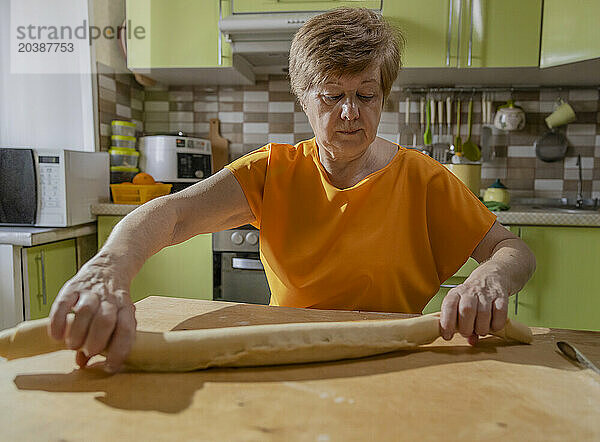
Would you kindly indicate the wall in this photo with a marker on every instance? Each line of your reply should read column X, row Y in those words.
column 252, row 116
column 45, row 110
column 119, row 96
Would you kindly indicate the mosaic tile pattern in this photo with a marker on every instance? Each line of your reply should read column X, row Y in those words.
column 120, row 97
column 547, row 218
column 252, row 116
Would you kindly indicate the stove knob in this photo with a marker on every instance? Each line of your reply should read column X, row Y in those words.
column 252, row 238
column 237, row 238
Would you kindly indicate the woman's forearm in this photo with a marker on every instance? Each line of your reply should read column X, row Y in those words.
column 513, row 261
column 139, row 235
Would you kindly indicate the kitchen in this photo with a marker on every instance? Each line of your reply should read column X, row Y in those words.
column 464, row 52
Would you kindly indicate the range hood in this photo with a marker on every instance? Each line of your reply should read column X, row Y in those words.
column 263, row 40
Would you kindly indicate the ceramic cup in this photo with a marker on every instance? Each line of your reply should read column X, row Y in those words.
column 564, row 114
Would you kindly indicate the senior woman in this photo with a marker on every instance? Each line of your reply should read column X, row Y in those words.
column 347, row 220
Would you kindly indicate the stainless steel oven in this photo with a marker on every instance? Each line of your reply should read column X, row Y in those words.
column 238, row 274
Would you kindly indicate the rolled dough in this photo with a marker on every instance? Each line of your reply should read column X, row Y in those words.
column 255, row 345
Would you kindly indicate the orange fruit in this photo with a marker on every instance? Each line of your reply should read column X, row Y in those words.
column 143, row 178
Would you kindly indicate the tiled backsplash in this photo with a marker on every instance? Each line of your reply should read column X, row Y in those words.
column 120, row 97
column 252, row 116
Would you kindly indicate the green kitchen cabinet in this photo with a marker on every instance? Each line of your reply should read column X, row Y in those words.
column 570, row 32
column 183, row 270
column 468, row 33
column 563, row 292
column 176, row 34
column 435, row 304
column 46, row 269
column 256, row 6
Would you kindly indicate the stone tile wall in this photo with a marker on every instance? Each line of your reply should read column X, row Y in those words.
column 120, row 97
column 252, row 116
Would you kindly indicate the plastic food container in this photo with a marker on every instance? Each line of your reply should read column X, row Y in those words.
column 128, row 193
column 124, row 128
column 123, row 157
column 122, row 141
column 120, row 174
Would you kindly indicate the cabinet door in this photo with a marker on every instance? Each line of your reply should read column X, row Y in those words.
column 563, row 292
column 48, row 268
column 500, row 33
column 495, row 33
column 105, row 225
column 425, row 26
column 435, row 304
column 183, row 270
column 244, row 6
column 175, row 34
column 571, row 32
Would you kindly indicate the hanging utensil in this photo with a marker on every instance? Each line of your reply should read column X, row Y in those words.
column 488, row 110
column 448, row 137
column 457, row 140
column 422, row 117
column 487, row 154
column 433, row 116
column 470, row 150
column 405, row 132
column 427, row 139
column 440, row 111
column 483, row 109
column 440, row 149
column 550, row 147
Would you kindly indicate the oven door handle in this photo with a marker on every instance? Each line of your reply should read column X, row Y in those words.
column 246, row 264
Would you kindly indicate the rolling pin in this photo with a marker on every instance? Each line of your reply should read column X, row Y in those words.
column 255, row 345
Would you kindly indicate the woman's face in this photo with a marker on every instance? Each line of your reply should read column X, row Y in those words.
column 344, row 113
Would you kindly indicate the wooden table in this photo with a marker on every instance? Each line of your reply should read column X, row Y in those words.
column 448, row 391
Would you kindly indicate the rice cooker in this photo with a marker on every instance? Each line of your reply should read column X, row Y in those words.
column 176, row 159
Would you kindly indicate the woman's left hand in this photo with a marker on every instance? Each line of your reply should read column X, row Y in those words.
column 475, row 307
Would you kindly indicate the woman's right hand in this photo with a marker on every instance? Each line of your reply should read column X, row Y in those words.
column 104, row 319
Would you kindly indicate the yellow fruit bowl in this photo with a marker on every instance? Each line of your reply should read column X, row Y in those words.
column 129, row 193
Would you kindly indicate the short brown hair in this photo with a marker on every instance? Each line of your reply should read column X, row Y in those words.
column 344, row 41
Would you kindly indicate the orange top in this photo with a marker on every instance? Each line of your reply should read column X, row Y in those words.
column 384, row 244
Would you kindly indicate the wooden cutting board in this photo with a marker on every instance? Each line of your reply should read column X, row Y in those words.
column 219, row 145
column 446, row 390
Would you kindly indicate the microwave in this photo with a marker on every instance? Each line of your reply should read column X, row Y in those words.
column 51, row 188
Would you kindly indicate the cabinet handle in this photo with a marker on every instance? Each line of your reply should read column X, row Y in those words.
column 449, row 37
column 517, row 294
column 459, row 32
column 220, row 40
column 40, row 258
column 470, row 56
column 246, row 264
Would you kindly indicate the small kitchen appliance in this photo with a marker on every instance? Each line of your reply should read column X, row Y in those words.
column 51, row 187
column 175, row 159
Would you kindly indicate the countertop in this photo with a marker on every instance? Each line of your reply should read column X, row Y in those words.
column 517, row 215
column 445, row 390
column 112, row 209
column 33, row 236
